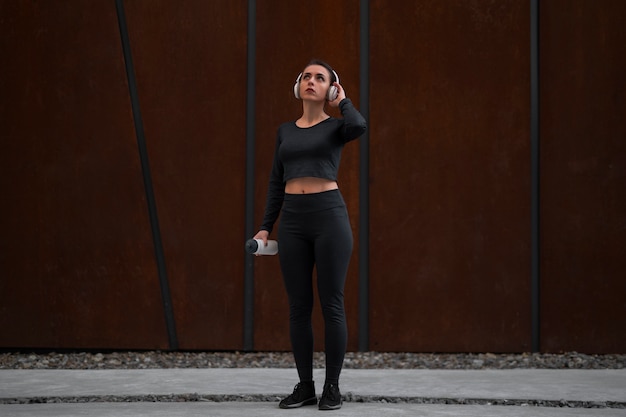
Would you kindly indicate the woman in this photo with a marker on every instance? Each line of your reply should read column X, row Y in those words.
column 314, row 227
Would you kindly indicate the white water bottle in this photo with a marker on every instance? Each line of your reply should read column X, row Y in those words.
column 256, row 247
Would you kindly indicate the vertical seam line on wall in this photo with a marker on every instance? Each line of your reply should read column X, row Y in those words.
column 147, row 179
column 535, row 181
column 364, row 98
column 248, row 286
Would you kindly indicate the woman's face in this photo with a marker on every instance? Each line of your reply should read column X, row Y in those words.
column 314, row 83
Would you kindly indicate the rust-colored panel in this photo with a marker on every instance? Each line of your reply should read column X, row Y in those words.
column 287, row 38
column 583, row 176
column 76, row 257
column 190, row 62
column 450, row 176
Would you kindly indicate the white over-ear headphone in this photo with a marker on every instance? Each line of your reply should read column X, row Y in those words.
column 332, row 91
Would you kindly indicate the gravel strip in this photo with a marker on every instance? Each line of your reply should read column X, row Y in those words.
column 353, row 360
column 347, row 397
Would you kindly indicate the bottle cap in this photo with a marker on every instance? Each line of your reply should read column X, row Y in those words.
column 252, row 246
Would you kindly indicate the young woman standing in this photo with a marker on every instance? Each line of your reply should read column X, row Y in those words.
column 314, row 228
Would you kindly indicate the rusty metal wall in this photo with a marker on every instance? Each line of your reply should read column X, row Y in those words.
column 583, row 176
column 450, row 191
column 190, row 62
column 449, row 172
column 76, row 255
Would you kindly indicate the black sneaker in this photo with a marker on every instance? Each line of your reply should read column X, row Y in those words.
column 331, row 397
column 303, row 394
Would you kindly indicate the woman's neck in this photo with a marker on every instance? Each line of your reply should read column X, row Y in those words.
column 312, row 113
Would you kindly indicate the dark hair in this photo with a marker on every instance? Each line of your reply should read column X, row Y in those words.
column 325, row 65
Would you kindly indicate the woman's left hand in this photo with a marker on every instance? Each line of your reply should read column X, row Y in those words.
column 341, row 94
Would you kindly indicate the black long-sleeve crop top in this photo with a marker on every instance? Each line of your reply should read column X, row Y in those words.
column 309, row 152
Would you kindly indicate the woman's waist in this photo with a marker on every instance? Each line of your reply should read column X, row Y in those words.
column 310, row 185
column 310, row 202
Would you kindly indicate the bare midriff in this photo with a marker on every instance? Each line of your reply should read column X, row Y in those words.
column 309, row 185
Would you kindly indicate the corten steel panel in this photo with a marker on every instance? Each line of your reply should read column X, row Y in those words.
column 287, row 39
column 583, row 176
column 76, row 255
column 450, row 176
column 190, row 61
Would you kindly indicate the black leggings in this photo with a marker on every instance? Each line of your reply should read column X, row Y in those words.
column 315, row 230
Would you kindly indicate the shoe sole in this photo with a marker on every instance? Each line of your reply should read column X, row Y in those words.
column 310, row 401
column 330, row 407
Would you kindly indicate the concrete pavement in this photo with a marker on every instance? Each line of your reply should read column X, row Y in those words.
column 255, row 392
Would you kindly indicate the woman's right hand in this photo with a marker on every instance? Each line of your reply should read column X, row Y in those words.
column 263, row 235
